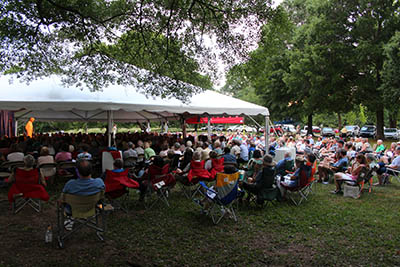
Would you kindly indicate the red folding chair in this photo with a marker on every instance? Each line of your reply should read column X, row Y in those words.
column 27, row 190
column 196, row 174
column 302, row 190
column 160, row 180
column 117, row 184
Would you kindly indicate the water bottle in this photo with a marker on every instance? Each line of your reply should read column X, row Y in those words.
column 48, row 237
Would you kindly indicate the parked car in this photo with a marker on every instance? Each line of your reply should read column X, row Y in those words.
column 327, row 131
column 352, row 130
column 289, row 128
column 315, row 129
column 219, row 128
column 232, row 128
column 368, row 131
column 241, row 128
column 274, row 129
column 391, row 133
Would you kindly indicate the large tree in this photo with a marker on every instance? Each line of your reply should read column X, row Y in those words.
column 42, row 37
column 391, row 78
column 375, row 22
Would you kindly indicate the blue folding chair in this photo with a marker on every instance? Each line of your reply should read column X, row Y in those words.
column 222, row 196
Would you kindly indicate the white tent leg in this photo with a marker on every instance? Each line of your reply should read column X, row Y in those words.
column 16, row 127
column 209, row 128
column 109, row 125
column 266, row 132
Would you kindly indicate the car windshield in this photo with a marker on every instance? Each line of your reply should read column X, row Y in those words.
column 390, row 130
column 349, row 128
column 368, row 128
column 326, row 129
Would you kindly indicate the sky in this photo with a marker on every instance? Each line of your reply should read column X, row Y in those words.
column 218, row 84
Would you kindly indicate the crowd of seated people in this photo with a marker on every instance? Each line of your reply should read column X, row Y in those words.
column 198, row 158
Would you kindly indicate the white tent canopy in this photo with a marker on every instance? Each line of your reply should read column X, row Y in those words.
column 49, row 99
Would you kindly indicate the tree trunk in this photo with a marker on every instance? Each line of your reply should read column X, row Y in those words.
column 309, row 124
column 393, row 118
column 379, row 122
column 339, row 121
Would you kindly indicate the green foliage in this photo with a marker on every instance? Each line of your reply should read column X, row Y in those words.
column 153, row 39
column 391, row 71
column 324, row 57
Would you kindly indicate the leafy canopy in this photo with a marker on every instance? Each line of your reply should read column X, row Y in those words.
column 165, row 37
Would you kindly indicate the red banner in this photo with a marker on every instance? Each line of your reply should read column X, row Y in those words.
column 215, row 120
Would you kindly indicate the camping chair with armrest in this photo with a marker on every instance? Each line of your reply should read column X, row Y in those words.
column 86, row 211
column 66, row 170
column 5, row 171
column 312, row 180
column 390, row 172
column 222, row 196
column 196, row 174
column 48, row 166
column 117, row 188
column 299, row 193
column 27, row 190
column 160, row 181
column 365, row 175
column 341, row 168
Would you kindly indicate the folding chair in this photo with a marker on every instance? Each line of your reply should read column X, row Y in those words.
column 299, row 193
column 196, row 174
column 160, row 180
column 117, row 184
column 392, row 172
column 5, row 170
column 312, row 180
column 66, row 170
column 45, row 167
column 86, row 211
column 222, row 196
column 27, row 190
column 364, row 175
column 130, row 162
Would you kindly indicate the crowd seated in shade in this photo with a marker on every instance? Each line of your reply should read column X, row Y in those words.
column 199, row 157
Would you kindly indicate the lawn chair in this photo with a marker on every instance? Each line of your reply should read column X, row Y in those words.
column 47, row 168
column 5, row 171
column 117, row 184
column 66, row 170
column 391, row 173
column 86, row 211
column 222, row 196
column 196, row 174
column 299, row 193
column 364, row 175
column 27, row 190
column 160, row 181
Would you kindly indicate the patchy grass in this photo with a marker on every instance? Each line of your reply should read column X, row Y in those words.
column 325, row 230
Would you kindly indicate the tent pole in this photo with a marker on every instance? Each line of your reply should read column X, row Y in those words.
column 209, row 128
column 183, row 127
column 16, row 127
column 266, row 132
column 109, row 126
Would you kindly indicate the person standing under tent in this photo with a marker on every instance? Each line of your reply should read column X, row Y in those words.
column 29, row 127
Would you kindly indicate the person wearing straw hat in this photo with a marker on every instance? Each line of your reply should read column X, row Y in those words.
column 264, row 179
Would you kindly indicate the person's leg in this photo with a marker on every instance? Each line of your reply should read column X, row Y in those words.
column 320, row 173
column 336, row 178
column 250, row 189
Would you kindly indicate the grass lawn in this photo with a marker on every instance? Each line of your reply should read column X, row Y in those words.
column 325, row 230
